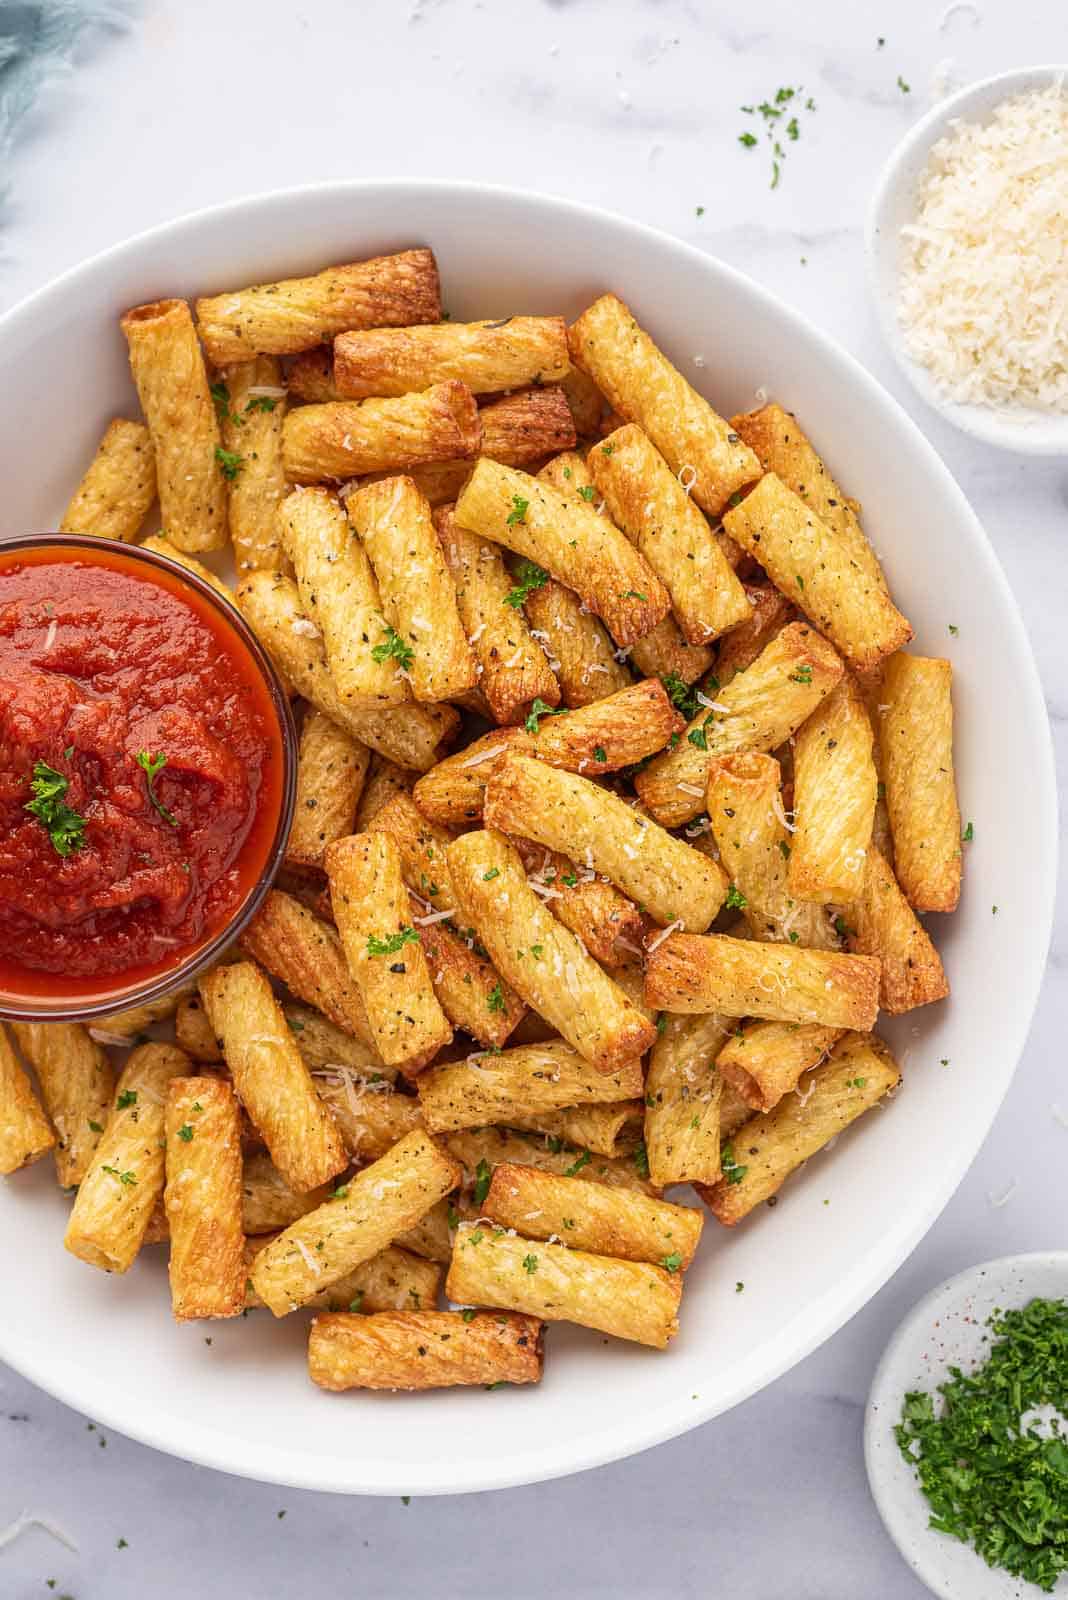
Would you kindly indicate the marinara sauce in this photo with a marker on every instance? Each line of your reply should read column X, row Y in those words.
column 127, row 862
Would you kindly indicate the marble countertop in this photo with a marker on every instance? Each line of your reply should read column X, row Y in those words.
column 632, row 105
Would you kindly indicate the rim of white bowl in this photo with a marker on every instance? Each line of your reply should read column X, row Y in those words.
column 1025, row 433
column 880, row 1459
column 633, row 1434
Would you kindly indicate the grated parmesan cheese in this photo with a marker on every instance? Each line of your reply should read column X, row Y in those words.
column 983, row 296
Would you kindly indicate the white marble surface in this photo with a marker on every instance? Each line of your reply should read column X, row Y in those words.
column 631, row 104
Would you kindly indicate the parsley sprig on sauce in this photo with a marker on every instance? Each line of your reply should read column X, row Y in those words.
column 152, row 766
column 64, row 827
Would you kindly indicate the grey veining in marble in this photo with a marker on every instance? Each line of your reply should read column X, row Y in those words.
column 630, row 104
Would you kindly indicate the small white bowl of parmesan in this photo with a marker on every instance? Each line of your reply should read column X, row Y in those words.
column 967, row 244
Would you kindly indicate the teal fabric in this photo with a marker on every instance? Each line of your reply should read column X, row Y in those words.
column 38, row 42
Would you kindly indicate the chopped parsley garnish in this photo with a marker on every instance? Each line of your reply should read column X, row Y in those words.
column 64, row 827
column 393, row 646
column 731, row 1169
column 698, row 736
column 127, row 1179
column 841, row 927
column 569, row 879
column 185, row 1132
column 906, row 88
column 530, row 1264
column 520, row 507
column 682, row 695
column 802, row 675
column 580, row 1161
column 391, row 943
column 736, row 900
column 993, row 1480
column 468, row 1315
column 151, row 766
column 540, row 709
column 661, row 1023
column 341, row 1192
column 786, row 104
column 495, row 998
column 587, row 491
column 488, row 877
column 261, row 402
column 96, row 1127
column 483, row 1174
column 599, row 753
column 528, row 577
column 635, row 594
column 128, row 1097
column 855, row 1083
column 673, row 1262
column 968, row 835
column 357, row 1300
column 954, row 630
column 220, row 395
column 230, row 462
column 641, row 1161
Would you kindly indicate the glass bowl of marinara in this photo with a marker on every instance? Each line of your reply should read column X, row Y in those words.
column 147, row 776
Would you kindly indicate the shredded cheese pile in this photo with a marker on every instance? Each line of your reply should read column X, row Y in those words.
column 983, row 297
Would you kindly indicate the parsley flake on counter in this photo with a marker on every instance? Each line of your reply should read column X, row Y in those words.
column 393, row 646
column 968, row 835
column 787, row 103
column 391, row 943
column 64, row 827
column 954, row 630
column 905, row 88
column 152, row 766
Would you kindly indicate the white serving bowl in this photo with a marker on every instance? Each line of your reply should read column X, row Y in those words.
column 244, row 1403
column 893, row 204
column 948, row 1328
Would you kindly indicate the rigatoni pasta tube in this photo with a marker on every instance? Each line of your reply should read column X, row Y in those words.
column 583, row 660
column 487, row 356
column 771, row 612
column 513, row 669
column 268, row 1201
column 604, row 919
column 251, row 401
column 541, row 959
column 916, row 735
column 599, row 738
column 765, row 1060
column 480, row 1149
column 331, row 769
column 203, row 1199
column 172, row 384
column 565, row 812
column 880, row 922
column 784, row 449
column 396, row 530
column 163, row 547
column 299, row 313
column 323, row 1044
column 746, row 814
column 764, row 1152
column 76, row 1082
column 368, row 1213
column 741, row 978
column 383, row 951
column 25, row 1132
column 599, row 1129
column 407, row 734
column 648, row 502
column 641, row 384
column 349, row 438
column 628, row 1299
column 835, row 787
column 305, row 953
column 270, row 1075
column 340, row 595
column 117, row 1196
column 803, row 558
column 527, row 1079
column 384, row 779
column 758, row 710
column 117, row 491
column 422, row 846
column 589, row 1216
column 370, row 1113
column 123, row 1025
column 393, row 1280
column 577, row 547
column 469, row 989
column 682, row 1099
column 413, row 1350
column 520, row 429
